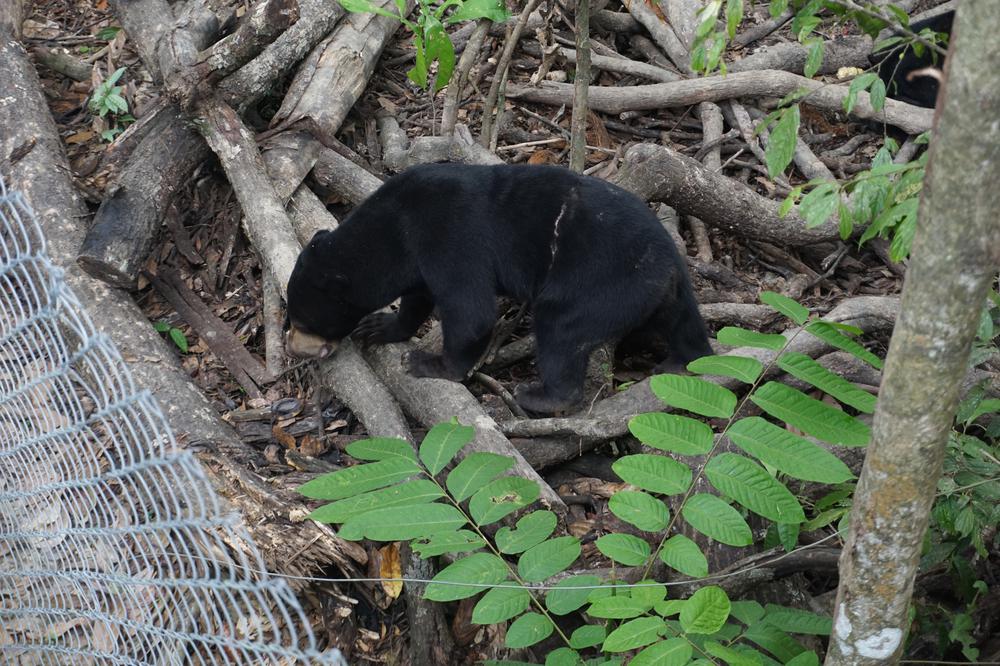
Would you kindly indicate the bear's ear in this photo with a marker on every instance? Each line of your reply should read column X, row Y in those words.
column 318, row 234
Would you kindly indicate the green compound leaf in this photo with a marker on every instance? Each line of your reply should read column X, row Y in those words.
column 442, row 442
column 749, row 484
column 812, row 416
column 381, row 448
column 470, row 10
column 411, row 494
column 745, row 369
column 859, row 84
column 176, row 334
column 527, row 630
column 617, row 608
column 365, row 7
column 400, row 523
column 673, row 652
column 788, row 453
column 548, row 558
column 814, row 58
column 358, row 479
column 563, row 599
column 694, row 395
column 733, row 657
column 741, row 337
column 774, row 640
column 634, row 634
column 474, row 472
column 564, row 656
column 786, row 306
column 476, row 570
column 532, row 529
column 808, row 370
column 587, row 636
column 440, row 49
column 649, row 593
column 657, row 474
column 502, row 497
column 804, row 659
column 684, row 555
column 781, row 147
column 673, row 433
column 705, row 611
column 798, row 621
column 462, row 541
column 714, row 518
column 819, row 204
column 500, row 604
column 637, row 508
column 624, row 548
column 747, row 612
column 828, row 333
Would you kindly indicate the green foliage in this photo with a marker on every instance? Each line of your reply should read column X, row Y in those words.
column 967, row 508
column 176, row 335
column 441, row 505
column 430, row 40
column 107, row 98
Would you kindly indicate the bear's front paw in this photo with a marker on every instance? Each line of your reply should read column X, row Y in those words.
column 377, row 328
column 423, row 364
column 534, row 398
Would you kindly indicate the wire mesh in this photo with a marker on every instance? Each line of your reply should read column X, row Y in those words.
column 114, row 549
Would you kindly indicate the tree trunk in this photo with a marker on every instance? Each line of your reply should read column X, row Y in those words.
column 955, row 255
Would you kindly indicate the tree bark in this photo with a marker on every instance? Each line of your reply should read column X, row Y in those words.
column 581, row 84
column 125, row 225
column 764, row 83
column 955, row 255
column 657, row 173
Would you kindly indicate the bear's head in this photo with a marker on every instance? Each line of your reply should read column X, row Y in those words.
column 321, row 311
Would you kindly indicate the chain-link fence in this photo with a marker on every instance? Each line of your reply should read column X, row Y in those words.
column 113, row 547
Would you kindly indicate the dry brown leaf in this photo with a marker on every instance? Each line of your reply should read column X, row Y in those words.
column 390, row 567
column 82, row 136
column 311, row 446
column 542, row 157
column 283, row 437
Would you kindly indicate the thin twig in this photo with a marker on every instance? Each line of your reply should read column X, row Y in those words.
column 581, row 85
column 449, row 114
column 490, row 107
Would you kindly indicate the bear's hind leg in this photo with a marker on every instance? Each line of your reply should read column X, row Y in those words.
column 562, row 364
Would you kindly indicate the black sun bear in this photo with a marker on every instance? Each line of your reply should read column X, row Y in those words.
column 590, row 258
column 904, row 71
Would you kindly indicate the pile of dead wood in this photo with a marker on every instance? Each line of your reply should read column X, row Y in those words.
column 326, row 58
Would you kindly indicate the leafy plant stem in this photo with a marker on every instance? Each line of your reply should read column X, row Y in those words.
column 513, row 572
column 708, row 456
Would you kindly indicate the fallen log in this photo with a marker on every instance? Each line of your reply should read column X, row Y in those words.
column 657, row 173
column 764, row 83
column 125, row 225
column 334, row 76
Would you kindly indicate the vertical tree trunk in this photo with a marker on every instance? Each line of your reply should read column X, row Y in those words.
column 955, row 255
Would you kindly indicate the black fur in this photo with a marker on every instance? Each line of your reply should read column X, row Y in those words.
column 591, row 259
column 896, row 64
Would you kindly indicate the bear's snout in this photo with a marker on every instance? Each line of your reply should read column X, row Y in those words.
column 302, row 344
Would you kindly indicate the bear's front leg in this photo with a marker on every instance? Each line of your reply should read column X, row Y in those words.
column 380, row 328
column 467, row 322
